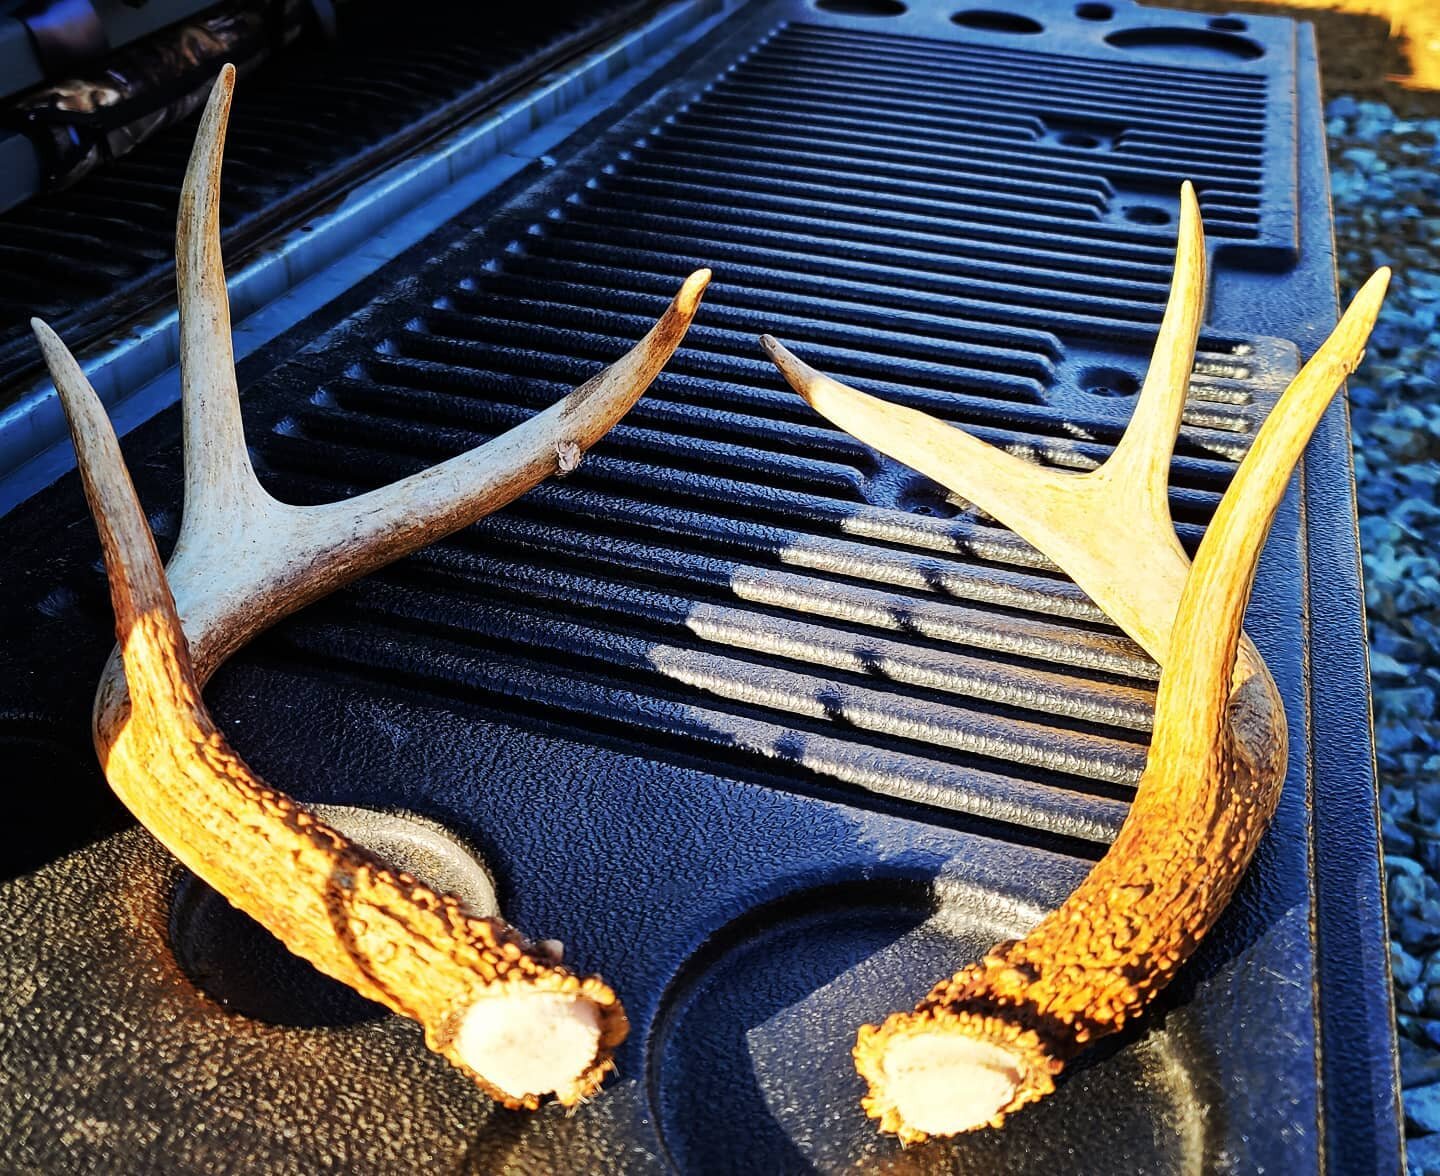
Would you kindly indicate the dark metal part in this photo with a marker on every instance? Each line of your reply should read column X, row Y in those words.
column 768, row 730
column 67, row 34
column 311, row 125
column 91, row 118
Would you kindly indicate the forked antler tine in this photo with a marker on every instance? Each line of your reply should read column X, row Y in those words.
column 990, row 1039
column 1055, row 511
column 495, row 1005
column 294, row 555
column 1191, row 706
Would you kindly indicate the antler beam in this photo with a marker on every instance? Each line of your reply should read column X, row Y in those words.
column 992, row 1038
column 499, row 1007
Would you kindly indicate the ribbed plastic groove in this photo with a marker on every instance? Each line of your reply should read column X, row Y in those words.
column 728, row 577
column 1065, row 134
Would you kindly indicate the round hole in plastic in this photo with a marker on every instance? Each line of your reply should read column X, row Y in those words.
column 924, row 497
column 757, row 1029
column 1094, row 11
column 995, row 20
column 240, row 965
column 1197, row 44
column 1147, row 214
column 244, row 969
column 1077, row 139
column 1228, row 24
column 861, row 7
column 1108, row 381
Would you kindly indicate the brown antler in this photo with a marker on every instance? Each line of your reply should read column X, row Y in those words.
column 499, row 1007
column 991, row 1039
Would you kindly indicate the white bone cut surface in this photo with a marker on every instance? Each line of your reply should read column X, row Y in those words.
column 243, row 560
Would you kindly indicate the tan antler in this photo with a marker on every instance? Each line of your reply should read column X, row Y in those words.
column 496, row 1005
column 991, row 1039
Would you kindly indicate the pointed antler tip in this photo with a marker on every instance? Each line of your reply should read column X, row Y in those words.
column 50, row 343
column 798, row 374
column 226, row 76
column 687, row 302
column 781, row 356
column 1365, row 307
column 51, row 346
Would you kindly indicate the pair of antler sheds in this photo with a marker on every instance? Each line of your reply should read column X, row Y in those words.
column 502, row 1008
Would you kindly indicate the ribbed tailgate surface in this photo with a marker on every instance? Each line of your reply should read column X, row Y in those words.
column 728, row 566
column 768, row 728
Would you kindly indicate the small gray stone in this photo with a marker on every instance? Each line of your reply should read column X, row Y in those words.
column 1405, row 968
column 1423, row 1156
column 1427, row 801
column 1422, row 1108
column 1418, row 1066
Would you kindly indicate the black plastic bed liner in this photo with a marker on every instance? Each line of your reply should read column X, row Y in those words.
column 707, row 705
column 314, row 122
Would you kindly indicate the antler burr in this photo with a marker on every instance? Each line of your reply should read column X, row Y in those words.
column 497, row 1006
column 992, row 1038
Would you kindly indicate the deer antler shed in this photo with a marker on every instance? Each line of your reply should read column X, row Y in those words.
column 984, row 1042
column 992, row 1038
column 499, row 1007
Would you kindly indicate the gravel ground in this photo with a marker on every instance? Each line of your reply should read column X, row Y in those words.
column 1386, row 187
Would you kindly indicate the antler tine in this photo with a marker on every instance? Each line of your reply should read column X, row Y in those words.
column 137, row 582
column 1052, row 510
column 1139, row 467
column 295, row 555
column 1191, row 706
column 220, row 483
column 495, row 1005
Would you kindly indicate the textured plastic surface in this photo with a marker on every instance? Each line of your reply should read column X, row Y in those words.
column 766, row 729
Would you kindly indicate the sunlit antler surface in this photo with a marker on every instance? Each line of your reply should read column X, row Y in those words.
column 498, row 1006
column 992, row 1038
